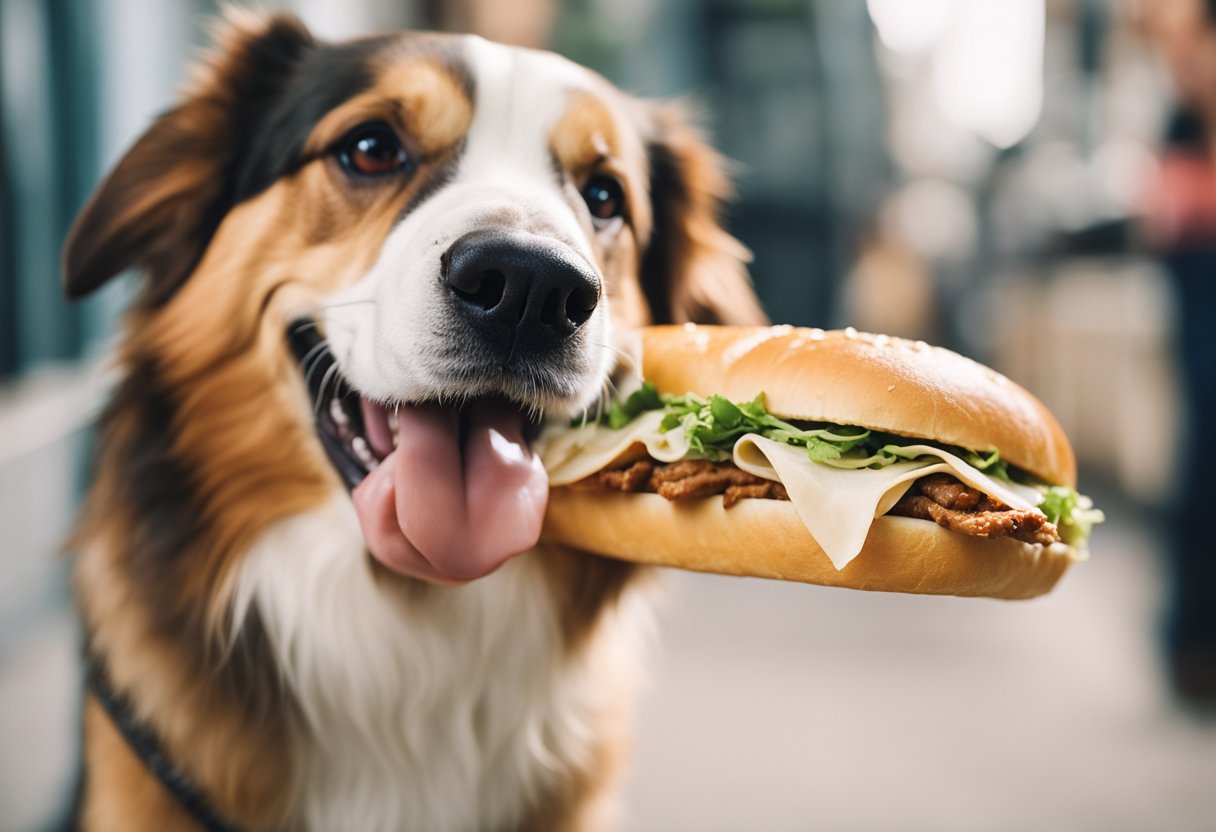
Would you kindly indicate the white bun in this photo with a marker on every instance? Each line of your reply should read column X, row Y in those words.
column 874, row 381
column 766, row 539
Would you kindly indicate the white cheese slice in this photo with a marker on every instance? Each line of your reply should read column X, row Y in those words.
column 570, row 454
column 1022, row 498
column 837, row 505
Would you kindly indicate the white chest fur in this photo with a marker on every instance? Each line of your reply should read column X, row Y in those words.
column 436, row 710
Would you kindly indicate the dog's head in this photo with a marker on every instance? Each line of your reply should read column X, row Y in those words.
column 431, row 222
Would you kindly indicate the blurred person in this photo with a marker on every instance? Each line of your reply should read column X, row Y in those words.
column 890, row 289
column 1182, row 223
column 517, row 24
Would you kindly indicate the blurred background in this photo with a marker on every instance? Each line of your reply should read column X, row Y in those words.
column 1026, row 181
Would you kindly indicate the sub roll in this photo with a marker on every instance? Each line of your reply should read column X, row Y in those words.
column 828, row 457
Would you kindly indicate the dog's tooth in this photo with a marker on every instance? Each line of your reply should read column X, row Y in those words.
column 392, row 425
column 338, row 413
column 359, row 445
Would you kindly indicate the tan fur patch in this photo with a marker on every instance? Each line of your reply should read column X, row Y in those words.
column 418, row 96
column 437, row 108
column 244, row 771
column 120, row 793
column 593, row 137
column 585, row 136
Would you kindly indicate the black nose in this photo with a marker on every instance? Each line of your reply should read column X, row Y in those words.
column 522, row 292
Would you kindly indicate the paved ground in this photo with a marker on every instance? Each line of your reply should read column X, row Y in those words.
column 785, row 707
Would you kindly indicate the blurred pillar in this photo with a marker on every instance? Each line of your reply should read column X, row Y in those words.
column 8, row 260
column 48, row 136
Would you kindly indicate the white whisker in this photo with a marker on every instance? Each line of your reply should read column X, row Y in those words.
column 328, row 306
column 330, row 320
column 315, row 351
column 316, row 362
column 330, row 375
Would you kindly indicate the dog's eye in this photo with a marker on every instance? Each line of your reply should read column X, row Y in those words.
column 604, row 197
column 372, row 150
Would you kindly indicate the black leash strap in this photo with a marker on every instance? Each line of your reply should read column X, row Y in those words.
column 147, row 747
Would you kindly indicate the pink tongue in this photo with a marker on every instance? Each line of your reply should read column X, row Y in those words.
column 436, row 513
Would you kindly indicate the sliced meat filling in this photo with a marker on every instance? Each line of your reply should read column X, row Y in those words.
column 958, row 507
column 684, row 479
column 940, row 498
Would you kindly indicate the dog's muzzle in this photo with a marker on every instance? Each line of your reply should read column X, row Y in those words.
column 523, row 295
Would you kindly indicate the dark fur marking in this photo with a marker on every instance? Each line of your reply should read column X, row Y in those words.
column 246, row 133
column 323, row 80
column 166, row 528
column 223, row 144
column 291, row 85
column 165, row 521
column 669, row 194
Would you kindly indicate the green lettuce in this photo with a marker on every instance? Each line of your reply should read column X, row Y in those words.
column 621, row 413
column 712, row 427
column 1074, row 514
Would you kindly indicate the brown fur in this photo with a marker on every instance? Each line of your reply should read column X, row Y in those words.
column 162, row 223
column 123, row 794
column 209, row 439
column 695, row 270
column 587, row 803
column 596, row 137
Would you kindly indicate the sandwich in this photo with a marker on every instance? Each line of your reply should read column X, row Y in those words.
column 829, row 457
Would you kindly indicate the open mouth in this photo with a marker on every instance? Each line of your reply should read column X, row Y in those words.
column 445, row 493
column 354, row 443
column 358, row 433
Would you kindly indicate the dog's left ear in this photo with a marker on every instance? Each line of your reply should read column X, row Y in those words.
column 692, row 269
column 159, row 207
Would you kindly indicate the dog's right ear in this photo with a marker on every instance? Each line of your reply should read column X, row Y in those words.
column 159, row 207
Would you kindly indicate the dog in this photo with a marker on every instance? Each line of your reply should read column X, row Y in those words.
column 289, row 627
